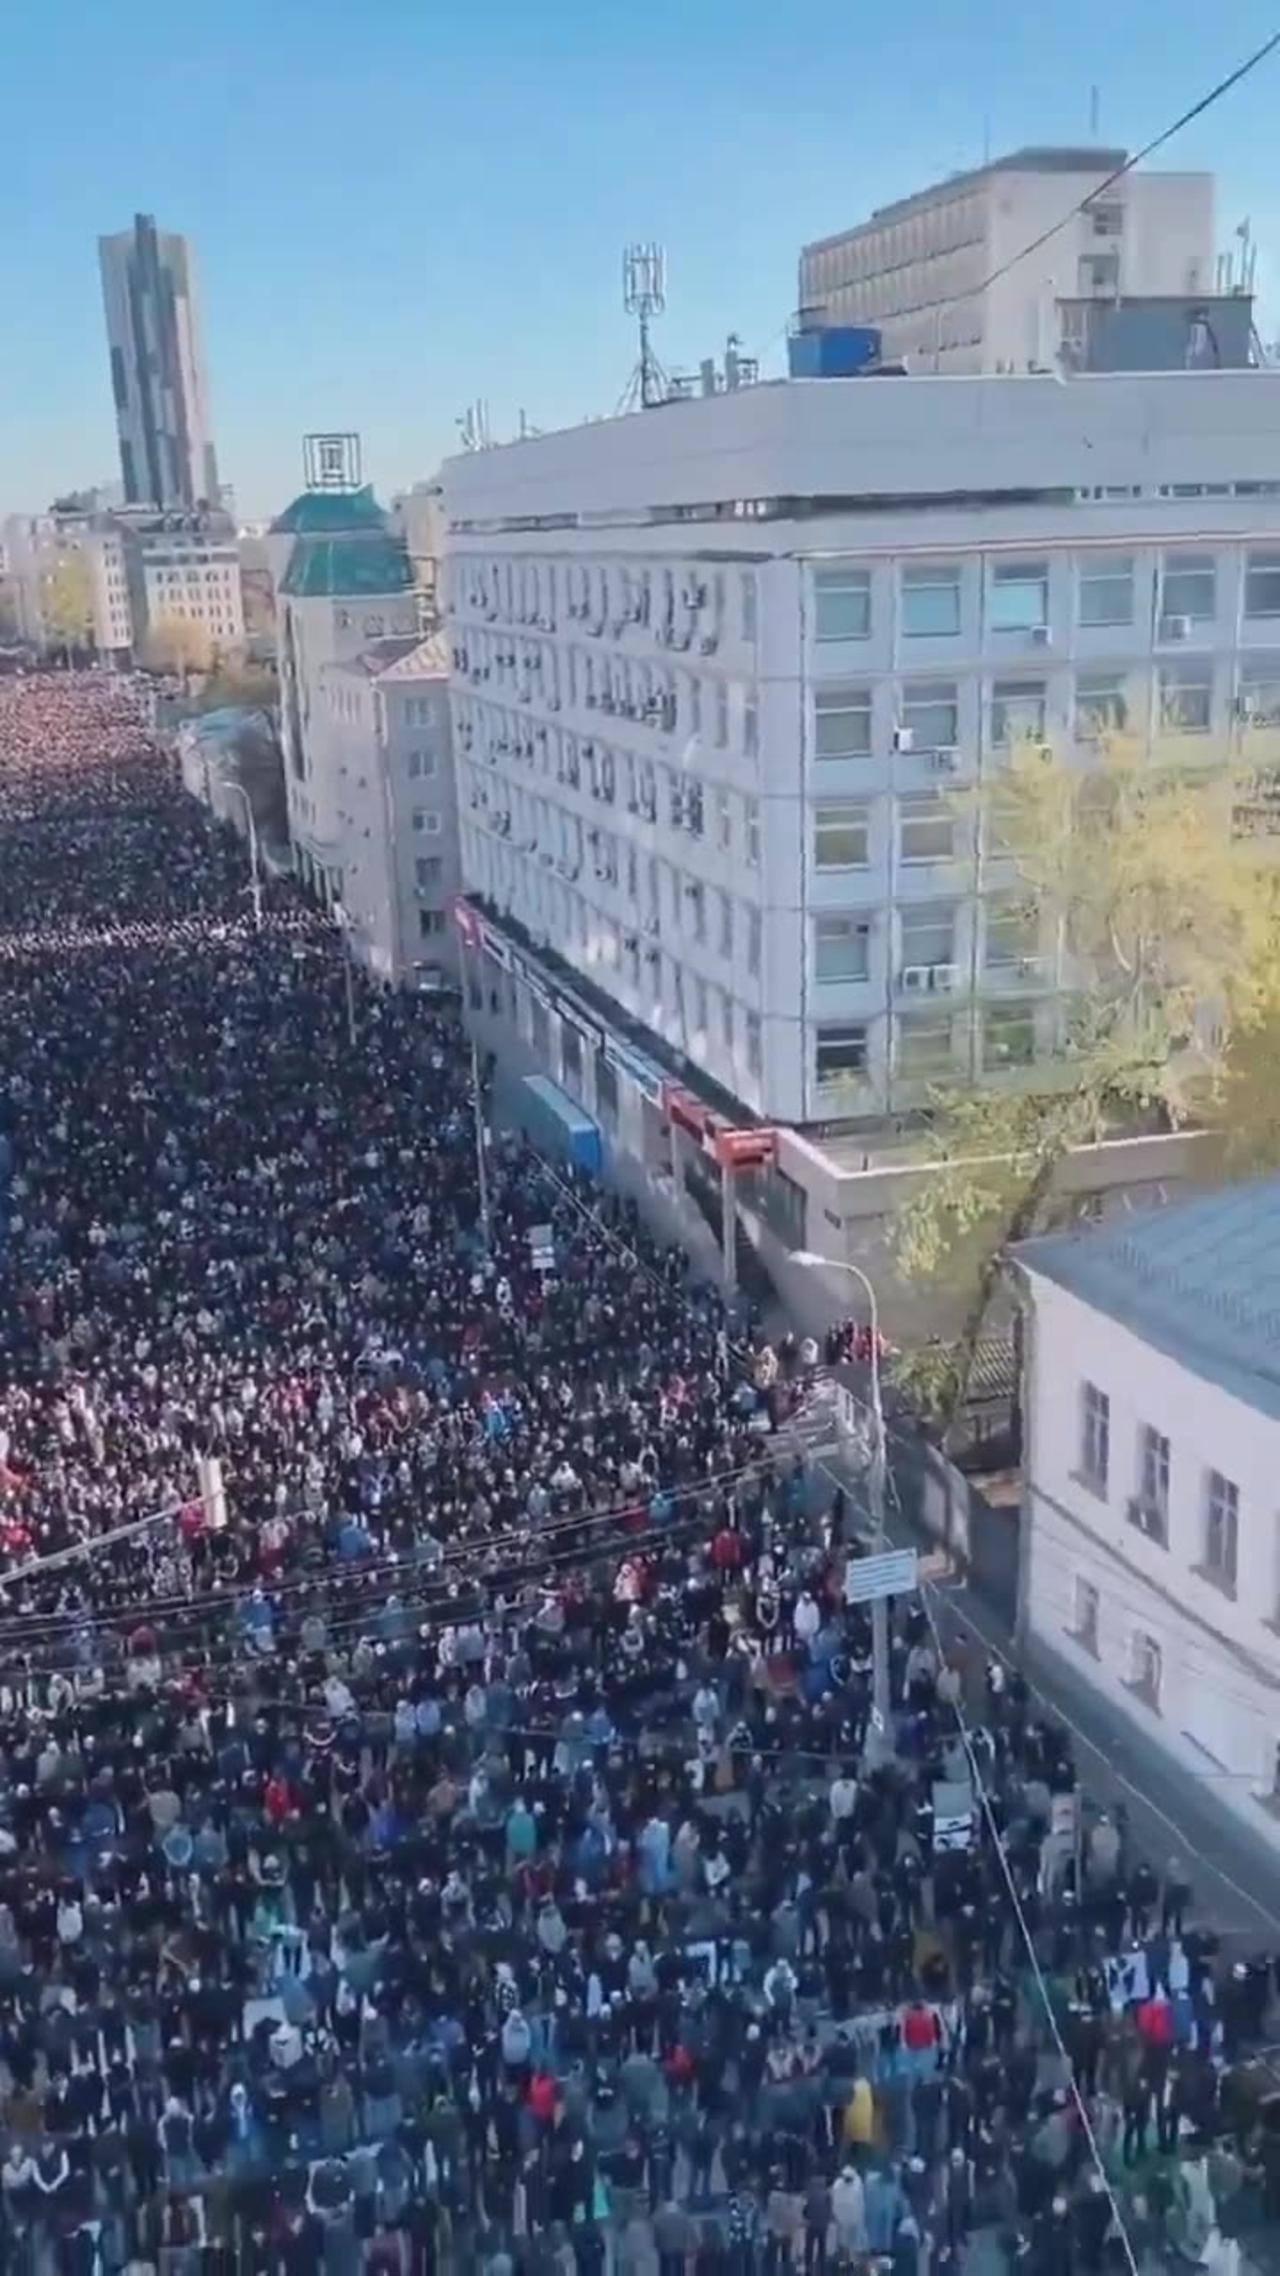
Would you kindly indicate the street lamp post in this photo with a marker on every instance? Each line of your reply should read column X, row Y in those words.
column 482, row 1167
column 229, row 782
column 880, row 1687
column 345, row 930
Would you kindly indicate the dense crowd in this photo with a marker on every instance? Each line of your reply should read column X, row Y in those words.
column 440, row 1824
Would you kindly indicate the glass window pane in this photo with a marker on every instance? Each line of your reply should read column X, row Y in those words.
column 931, row 600
column 1262, row 585
column 1106, row 589
column 840, row 837
column 924, row 1046
column 926, row 829
column 842, row 604
column 1018, row 599
column 928, row 934
column 1186, row 697
column 1188, row 588
column 930, row 708
column 840, row 1051
column 1010, row 934
column 1102, row 706
column 840, row 948
column 842, row 723
column 1009, row 1035
column 1017, row 711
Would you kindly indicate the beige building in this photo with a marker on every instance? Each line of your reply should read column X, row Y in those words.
column 938, row 272
column 69, row 582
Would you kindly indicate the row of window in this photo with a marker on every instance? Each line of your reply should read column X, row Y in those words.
column 927, row 933
column 928, row 829
column 1104, row 700
column 928, row 600
column 618, row 687
column 661, row 894
column 1147, row 1505
column 607, row 596
column 658, row 795
column 922, row 1045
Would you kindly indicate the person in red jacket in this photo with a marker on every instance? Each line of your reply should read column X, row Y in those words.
column 1155, row 2024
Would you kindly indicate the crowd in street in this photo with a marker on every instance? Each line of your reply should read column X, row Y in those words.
column 442, row 1825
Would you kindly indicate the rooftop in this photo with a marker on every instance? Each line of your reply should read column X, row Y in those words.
column 1035, row 158
column 408, row 656
column 320, row 513
column 363, row 563
column 1199, row 1280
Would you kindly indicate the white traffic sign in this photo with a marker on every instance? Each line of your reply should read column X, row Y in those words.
column 892, row 1573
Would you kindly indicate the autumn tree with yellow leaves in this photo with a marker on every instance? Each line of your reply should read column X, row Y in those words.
column 1148, row 883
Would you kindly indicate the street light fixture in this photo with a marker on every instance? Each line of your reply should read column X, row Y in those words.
column 229, row 782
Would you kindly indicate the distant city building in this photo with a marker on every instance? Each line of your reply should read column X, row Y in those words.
column 936, row 272
column 69, row 582
column 418, row 516
column 1150, row 1552
column 183, row 573
column 389, row 751
column 343, row 582
column 158, row 382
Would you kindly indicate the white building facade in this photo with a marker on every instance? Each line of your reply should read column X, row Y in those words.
column 40, row 548
column 1151, row 1521
column 184, row 579
column 719, row 673
column 939, row 272
column 387, row 746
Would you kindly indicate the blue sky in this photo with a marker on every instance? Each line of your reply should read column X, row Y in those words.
column 401, row 207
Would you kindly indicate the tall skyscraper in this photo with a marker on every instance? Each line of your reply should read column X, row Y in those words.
column 158, row 381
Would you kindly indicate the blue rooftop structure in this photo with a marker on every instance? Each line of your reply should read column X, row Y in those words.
column 1199, row 1280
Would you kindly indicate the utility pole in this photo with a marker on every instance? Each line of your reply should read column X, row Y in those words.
column 482, row 1167
column 255, row 865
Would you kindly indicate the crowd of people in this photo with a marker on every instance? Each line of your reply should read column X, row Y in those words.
column 442, row 1825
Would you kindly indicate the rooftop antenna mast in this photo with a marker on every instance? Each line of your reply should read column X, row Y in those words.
column 644, row 296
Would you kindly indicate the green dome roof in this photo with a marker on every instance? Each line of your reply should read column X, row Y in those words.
column 330, row 513
column 365, row 562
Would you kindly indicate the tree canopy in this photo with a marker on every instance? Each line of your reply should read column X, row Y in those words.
column 1146, row 888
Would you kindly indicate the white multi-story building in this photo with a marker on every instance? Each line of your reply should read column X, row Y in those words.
column 720, row 672
column 1151, row 1542
column 343, row 584
column 387, row 749
column 62, row 567
column 183, row 573
column 939, row 272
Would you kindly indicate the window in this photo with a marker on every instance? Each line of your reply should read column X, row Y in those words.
column 722, row 714
column 430, row 921
column 748, row 593
column 1017, row 711
column 724, row 821
column 842, row 604
column 1188, row 589
column 1095, row 1437
column 754, row 930
column 842, row 723
column 1259, row 700
column 930, row 708
column 695, row 901
column 1088, row 1605
column 695, row 704
column 1106, row 589
column 1102, row 706
column 426, row 823
column 841, row 1052
column 421, row 763
column 1009, row 1036
column 726, row 1018
column 1146, row 1667
column 840, row 948
column 750, row 724
column 701, row 999
column 428, row 869
column 1186, row 696
column 1010, row 935
column 931, row 600
column 1150, row 1509
column 1262, row 584
column 726, row 924
column 751, row 831
column 924, row 1046
column 840, row 837
column 928, row 934
column 1107, row 220
column 1221, row 1530
column 926, row 829
column 755, row 1044
column 1099, row 272
column 1018, row 598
